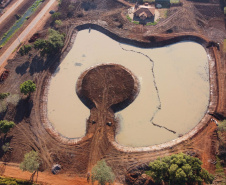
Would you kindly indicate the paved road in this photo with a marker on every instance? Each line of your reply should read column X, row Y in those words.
column 10, row 10
column 23, row 35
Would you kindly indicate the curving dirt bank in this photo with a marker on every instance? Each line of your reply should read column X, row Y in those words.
column 162, row 41
column 74, row 155
column 108, row 148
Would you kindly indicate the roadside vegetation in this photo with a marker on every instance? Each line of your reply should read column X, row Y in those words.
column 52, row 45
column 17, row 25
column 102, row 173
column 179, row 169
column 13, row 181
column 24, row 50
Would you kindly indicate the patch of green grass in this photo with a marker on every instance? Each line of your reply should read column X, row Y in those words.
column 174, row 1
column 220, row 170
column 219, row 167
column 166, row 14
column 136, row 22
column 151, row 23
column 129, row 18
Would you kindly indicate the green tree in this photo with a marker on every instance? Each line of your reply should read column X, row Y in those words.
column 40, row 44
column 58, row 22
column 55, row 41
column 56, row 15
column 52, row 45
column 5, row 126
column 30, row 163
column 27, row 87
column 25, row 50
column 179, row 169
column 102, row 173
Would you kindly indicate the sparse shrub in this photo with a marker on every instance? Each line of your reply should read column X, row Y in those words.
column 102, row 173
column 6, row 98
column 222, row 126
column 6, row 147
column 3, row 106
column 5, row 126
column 174, row 1
column 4, row 95
column 129, row 18
column 151, row 23
column 56, row 15
column 58, row 22
column 13, row 99
column 71, row 7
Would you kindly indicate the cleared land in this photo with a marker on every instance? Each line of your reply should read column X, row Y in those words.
column 30, row 134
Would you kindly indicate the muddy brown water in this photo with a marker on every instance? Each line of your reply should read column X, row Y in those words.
column 173, row 97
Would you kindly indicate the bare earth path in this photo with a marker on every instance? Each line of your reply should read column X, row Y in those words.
column 10, row 10
column 12, row 170
column 24, row 34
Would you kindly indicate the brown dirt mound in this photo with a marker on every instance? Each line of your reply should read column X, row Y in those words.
column 107, row 86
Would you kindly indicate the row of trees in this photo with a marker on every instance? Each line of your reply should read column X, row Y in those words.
column 179, row 169
column 53, row 44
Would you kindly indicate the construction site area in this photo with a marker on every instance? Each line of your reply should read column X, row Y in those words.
column 75, row 116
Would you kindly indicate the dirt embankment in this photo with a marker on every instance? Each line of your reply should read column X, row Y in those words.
column 30, row 134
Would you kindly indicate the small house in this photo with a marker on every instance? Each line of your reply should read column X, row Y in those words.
column 144, row 12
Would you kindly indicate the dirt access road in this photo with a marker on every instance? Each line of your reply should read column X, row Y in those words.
column 12, row 170
column 24, row 34
column 10, row 10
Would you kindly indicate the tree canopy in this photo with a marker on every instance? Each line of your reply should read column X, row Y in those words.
column 52, row 45
column 5, row 126
column 179, row 169
column 27, row 87
column 31, row 162
column 25, row 50
column 102, row 173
